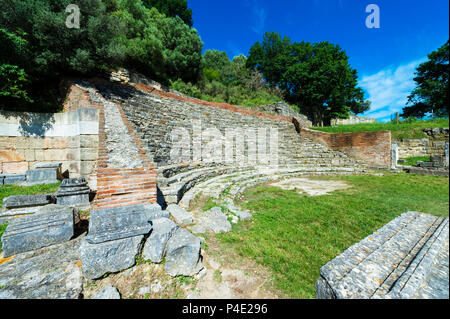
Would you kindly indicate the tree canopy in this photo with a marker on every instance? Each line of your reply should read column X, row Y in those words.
column 316, row 77
column 431, row 92
column 38, row 48
column 172, row 8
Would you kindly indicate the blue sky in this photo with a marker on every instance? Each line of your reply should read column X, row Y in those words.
column 385, row 58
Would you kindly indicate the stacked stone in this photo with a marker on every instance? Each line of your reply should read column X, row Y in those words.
column 118, row 236
column 51, row 225
column 407, row 258
column 155, row 118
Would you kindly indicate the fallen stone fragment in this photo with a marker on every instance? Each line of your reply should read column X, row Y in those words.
column 115, row 239
column 117, row 223
column 109, row 292
column 44, row 174
column 180, row 215
column 155, row 245
column 51, row 225
column 109, row 257
column 48, row 273
column 155, row 211
column 23, row 201
column 215, row 220
column 13, row 179
column 183, row 254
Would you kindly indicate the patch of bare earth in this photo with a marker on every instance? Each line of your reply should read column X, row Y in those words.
column 230, row 276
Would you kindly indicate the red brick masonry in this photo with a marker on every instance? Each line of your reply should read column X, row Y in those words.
column 123, row 187
column 372, row 148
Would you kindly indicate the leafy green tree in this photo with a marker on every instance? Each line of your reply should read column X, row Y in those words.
column 431, row 92
column 172, row 8
column 316, row 77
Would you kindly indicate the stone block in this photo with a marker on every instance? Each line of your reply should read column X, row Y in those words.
column 44, row 174
column 51, row 155
column 183, row 254
column 86, row 167
column 13, row 179
column 88, row 141
column 108, row 293
column 51, row 225
column 110, row 256
column 15, row 167
column 154, row 248
column 88, row 154
column 39, row 155
column 22, row 201
column 111, row 224
column 407, row 258
column 180, row 215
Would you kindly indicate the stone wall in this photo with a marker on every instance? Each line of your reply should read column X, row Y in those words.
column 353, row 119
column 69, row 138
column 372, row 148
column 420, row 147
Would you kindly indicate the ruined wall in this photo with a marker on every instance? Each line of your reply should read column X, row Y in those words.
column 29, row 138
column 372, row 148
column 353, row 119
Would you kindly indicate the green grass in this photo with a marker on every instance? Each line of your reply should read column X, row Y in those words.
column 294, row 235
column 412, row 161
column 399, row 131
column 10, row 190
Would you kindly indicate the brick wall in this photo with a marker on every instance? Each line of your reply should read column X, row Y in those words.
column 372, row 148
column 118, row 187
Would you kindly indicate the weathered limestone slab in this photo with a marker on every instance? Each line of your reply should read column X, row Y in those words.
column 404, row 259
column 115, row 239
column 155, row 211
column 154, row 248
column 44, row 174
column 13, row 179
column 51, row 225
column 109, row 257
column 118, row 223
column 22, row 201
column 214, row 220
column 73, row 192
column 108, row 293
column 180, row 215
column 49, row 273
column 183, row 254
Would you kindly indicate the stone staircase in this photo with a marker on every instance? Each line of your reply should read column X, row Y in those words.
column 125, row 174
column 154, row 117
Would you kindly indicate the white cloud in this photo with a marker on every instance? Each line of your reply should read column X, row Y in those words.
column 389, row 89
column 259, row 16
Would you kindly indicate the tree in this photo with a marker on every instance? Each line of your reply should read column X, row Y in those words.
column 431, row 92
column 316, row 77
column 172, row 8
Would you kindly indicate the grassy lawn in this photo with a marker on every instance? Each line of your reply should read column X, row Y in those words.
column 412, row 161
column 294, row 235
column 399, row 131
column 10, row 190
